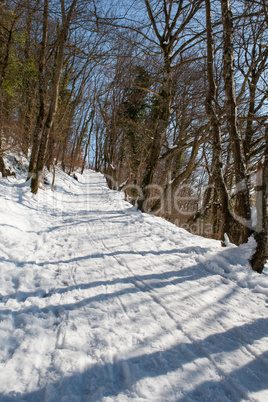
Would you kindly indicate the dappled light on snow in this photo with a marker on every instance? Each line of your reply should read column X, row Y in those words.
column 100, row 302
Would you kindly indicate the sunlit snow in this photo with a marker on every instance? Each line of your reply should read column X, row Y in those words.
column 100, row 302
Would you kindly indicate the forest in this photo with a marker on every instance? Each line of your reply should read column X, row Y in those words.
column 167, row 98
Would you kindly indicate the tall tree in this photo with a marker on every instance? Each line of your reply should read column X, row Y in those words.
column 7, row 27
column 260, row 255
column 217, row 173
column 62, row 39
column 41, row 91
column 242, row 208
column 175, row 17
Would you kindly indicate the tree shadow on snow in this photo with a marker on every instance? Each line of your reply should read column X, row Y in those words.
column 122, row 375
column 140, row 253
column 139, row 283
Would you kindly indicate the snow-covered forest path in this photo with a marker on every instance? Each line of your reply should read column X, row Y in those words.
column 102, row 303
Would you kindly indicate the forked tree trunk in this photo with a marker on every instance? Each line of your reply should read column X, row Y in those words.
column 162, row 111
column 37, row 177
column 217, row 173
column 242, row 208
column 174, row 22
column 168, row 197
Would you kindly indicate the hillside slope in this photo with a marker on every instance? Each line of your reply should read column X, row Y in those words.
column 100, row 302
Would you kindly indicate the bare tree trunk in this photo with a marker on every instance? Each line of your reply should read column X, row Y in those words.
column 2, row 163
column 41, row 79
column 26, row 141
column 3, row 169
column 78, row 143
column 251, row 111
column 98, row 153
column 242, row 208
column 54, row 177
column 173, row 26
column 63, row 153
column 261, row 254
column 226, row 217
column 54, row 97
column 168, row 195
column 88, row 140
column 75, row 141
column 163, row 112
column 213, row 216
column 109, row 155
column 265, row 10
column 50, row 151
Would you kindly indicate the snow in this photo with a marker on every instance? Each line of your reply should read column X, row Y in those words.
column 100, row 302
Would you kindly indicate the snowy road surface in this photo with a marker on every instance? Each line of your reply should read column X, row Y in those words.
column 102, row 303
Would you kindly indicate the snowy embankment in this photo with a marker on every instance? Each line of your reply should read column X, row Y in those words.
column 102, row 303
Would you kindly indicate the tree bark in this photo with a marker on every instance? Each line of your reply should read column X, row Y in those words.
column 2, row 163
column 260, row 256
column 41, row 80
column 162, row 112
column 217, row 173
column 29, row 89
column 37, row 177
column 91, row 118
column 3, row 169
column 257, row 68
column 167, row 198
column 242, row 208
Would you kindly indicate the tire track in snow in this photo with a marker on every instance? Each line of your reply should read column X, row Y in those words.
column 112, row 293
column 229, row 383
column 126, row 370
column 244, row 344
column 145, row 288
